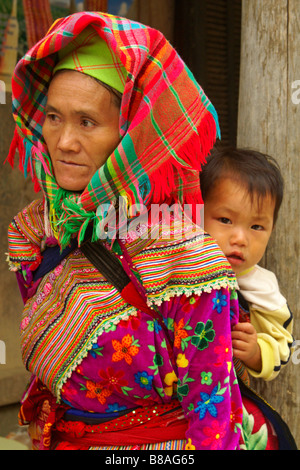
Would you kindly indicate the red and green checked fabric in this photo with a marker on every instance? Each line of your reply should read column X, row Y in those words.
column 167, row 124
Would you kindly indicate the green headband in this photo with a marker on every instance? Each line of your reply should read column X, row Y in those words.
column 90, row 54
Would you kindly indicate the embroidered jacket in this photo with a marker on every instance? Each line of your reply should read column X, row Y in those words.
column 97, row 353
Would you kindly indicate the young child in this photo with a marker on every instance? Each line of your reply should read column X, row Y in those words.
column 242, row 192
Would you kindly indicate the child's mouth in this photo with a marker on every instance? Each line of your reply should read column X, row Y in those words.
column 235, row 258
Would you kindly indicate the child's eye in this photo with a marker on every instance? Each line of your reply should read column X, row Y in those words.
column 257, row 227
column 224, row 220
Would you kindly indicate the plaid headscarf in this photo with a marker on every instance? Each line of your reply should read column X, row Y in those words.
column 90, row 54
column 167, row 125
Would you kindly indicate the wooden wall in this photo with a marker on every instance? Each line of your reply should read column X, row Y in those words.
column 15, row 193
column 156, row 13
column 269, row 119
column 207, row 36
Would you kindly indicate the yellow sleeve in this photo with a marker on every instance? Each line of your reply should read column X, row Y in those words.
column 271, row 317
column 274, row 331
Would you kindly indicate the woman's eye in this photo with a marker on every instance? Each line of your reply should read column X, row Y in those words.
column 87, row 123
column 52, row 117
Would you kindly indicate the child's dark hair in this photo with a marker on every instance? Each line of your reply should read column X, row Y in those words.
column 259, row 173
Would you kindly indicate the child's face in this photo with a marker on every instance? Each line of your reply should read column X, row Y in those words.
column 241, row 226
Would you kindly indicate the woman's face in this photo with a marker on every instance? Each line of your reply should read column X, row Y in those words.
column 81, row 128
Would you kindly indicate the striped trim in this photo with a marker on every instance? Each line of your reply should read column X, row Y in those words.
column 179, row 444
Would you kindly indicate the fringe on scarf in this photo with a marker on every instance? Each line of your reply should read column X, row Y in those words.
column 171, row 178
column 27, row 152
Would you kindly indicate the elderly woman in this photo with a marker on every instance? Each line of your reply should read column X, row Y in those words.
column 129, row 347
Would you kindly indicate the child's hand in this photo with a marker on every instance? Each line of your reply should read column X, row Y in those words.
column 245, row 345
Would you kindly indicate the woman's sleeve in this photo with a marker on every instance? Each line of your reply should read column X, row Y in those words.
column 25, row 235
column 207, row 386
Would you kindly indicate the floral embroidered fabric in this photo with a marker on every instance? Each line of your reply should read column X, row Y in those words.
column 130, row 366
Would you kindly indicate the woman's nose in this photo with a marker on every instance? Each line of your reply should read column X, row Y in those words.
column 68, row 140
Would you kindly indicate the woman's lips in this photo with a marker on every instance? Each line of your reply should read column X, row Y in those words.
column 63, row 162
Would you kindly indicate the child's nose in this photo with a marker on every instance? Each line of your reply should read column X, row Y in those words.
column 239, row 237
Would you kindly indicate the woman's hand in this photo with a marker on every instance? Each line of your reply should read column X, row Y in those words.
column 245, row 345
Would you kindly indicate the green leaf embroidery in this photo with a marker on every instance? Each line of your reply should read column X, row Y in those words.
column 185, row 343
column 125, row 390
column 135, row 342
column 182, row 387
column 160, row 391
column 256, row 441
